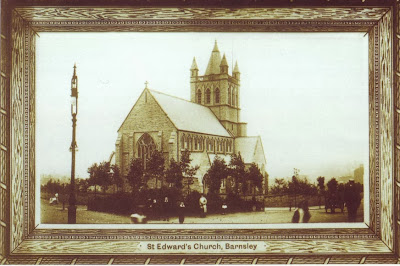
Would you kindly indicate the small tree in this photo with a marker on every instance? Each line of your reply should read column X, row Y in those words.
column 155, row 166
column 173, row 175
column 93, row 177
column 255, row 176
column 104, row 175
column 135, row 175
column 321, row 189
column 216, row 173
column 280, row 186
column 188, row 171
column 116, row 178
column 332, row 186
column 237, row 172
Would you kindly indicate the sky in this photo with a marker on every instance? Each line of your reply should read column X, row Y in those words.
column 305, row 94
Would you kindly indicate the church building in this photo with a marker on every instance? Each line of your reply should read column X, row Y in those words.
column 208, row 125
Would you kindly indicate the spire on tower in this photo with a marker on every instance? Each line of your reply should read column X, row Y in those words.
column 236, row 72
column 194, row 65
column 214, row 62
column 236, row 69
column 215, row 47
column 223, row 61
column 74, row 70
column 224, row 65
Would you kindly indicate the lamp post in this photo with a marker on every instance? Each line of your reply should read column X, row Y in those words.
column 74, row 112
column 295, row 179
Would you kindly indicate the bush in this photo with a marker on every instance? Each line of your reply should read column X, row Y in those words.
column 234, row 202
column 192, row 203
column 214, row 203
column 119, row 203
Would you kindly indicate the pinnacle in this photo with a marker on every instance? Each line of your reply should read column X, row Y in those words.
column 194, row 65
column 223, row 61
column 215, row 47
column 236, row 69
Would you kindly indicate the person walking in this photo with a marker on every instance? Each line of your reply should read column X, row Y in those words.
column 301, row 213
column 166, row 208
column 181, row 212
column 306, row 212
column 203, row 206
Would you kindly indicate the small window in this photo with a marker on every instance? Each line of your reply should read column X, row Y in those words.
column 208, row 96
column 217, row 96
column 233, row 97
column 229, row 96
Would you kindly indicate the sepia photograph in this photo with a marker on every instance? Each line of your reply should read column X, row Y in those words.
column 246, row 132
column 202, row 128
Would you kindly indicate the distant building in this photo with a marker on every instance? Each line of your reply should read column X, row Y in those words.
column 208, row 125
column 359, row 174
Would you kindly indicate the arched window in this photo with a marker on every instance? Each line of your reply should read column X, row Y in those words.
column 229, row 96
column 183, row 142
column 217, row 95
column 233, row 97
column 190, row 143
column 201, row 143
column 208, row 96
column 237, row 98
column 198, row 96
column 145, row 146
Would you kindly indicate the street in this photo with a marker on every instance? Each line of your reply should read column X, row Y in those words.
column 53, row 214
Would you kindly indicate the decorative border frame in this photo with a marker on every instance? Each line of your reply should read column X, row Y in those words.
column 22, row 242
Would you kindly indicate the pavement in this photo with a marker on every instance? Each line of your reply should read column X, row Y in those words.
column 54, row 214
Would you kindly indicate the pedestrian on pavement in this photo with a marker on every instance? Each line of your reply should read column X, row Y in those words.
column 166, row 208
column 181, row 212
column 306, row 212
column 224, row 208
column 301, row 213
column 203, row 206
column 296, row 216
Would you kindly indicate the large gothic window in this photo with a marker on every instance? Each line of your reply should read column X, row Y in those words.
column 229, row 96
column 198, row 96
column 216, row 95
column 208, row 96
column 145, row 146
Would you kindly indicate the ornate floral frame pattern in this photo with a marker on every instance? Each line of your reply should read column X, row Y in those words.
column 23, row 242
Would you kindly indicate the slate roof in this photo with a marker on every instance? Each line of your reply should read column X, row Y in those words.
column 247, row 147
column 189, row 116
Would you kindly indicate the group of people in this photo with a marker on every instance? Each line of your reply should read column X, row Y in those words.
column 352, row 201
column 155, row 210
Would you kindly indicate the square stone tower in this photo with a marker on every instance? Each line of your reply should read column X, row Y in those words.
column 219, row 91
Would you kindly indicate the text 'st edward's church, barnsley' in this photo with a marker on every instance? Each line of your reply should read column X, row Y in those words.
column 208, row 125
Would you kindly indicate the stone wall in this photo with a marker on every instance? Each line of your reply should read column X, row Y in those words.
column 146, row 116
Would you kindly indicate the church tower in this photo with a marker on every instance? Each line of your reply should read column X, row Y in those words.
column 219, row 91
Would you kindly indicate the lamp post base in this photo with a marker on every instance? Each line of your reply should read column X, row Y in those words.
column 72, row 214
